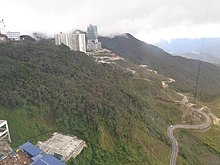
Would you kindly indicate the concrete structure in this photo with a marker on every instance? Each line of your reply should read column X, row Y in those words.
column 4, row 131
column 65, row 146
column 91, row 46
column 92, row 38
column 75, row 41
column 5, row 148
column 13, row 36
column 3, row 37
column 105, row 56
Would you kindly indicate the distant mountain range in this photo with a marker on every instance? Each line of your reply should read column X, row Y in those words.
column 183, row 70
column 205, row 49
column 199, row 56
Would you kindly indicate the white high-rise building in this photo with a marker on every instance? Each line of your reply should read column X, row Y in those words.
column 75, row 41
column 71, row 42
column 82, row 42
column 92, row 33
column 61, row 38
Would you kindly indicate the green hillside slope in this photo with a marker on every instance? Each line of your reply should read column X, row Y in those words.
column 123, row 119
column 183, row 70
column 44, row 88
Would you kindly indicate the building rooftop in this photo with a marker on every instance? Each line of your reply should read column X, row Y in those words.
column 66, row 146
column 30, row 155
column 30, row 149
column 48, row 160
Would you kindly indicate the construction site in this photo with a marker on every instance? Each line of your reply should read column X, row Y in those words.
column 62, row 146
column 55, row 151
column 105, row 56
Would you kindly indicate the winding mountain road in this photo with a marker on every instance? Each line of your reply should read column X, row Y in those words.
column 171, row 129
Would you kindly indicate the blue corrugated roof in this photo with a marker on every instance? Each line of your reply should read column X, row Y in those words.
column 37, row 157
column 31, row 149
column 52, row 160
column 48, row 160
column 39, row 162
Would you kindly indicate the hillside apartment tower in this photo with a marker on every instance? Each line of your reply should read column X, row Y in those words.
column 92, row 38
column 75, row 41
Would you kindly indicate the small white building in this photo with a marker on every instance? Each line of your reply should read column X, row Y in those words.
column 13, row 36
column 4, row 131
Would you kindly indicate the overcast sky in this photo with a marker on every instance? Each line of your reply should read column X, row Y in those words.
column 148, row 20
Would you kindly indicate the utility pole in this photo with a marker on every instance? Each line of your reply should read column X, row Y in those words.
column 197, row 82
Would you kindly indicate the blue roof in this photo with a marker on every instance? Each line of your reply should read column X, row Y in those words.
column 39, row 162
column 37, row 157
column 48, row 160
column 30, row 149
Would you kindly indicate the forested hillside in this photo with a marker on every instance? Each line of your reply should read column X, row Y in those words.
column 46, row 88
column 183, row 70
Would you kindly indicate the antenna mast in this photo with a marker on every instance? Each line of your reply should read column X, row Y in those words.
column 2, row 26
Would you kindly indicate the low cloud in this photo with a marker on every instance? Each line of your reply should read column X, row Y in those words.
column 139, row 17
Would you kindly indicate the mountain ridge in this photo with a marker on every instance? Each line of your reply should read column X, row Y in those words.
column 183, row 70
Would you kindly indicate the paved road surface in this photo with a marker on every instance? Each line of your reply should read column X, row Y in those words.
column 171, row 129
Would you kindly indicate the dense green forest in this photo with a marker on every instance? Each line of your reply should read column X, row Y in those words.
column 46, row 88
column 184, row 71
